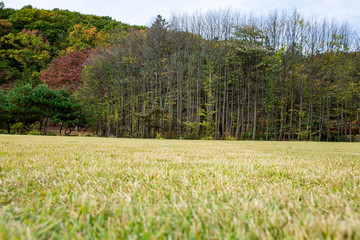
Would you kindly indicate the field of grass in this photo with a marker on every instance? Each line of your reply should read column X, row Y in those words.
column 74, row 187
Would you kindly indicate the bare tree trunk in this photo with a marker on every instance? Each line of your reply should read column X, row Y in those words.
column 321, row 120
column 309, row 115
column 281, row 121
column 45, row 123
column 291, row 112
column 62, row 124
column 238, row 113
column 255, row 111
column 23, row 125
column 328, row 137
column 301, row 106
column 40, row 124
column 358, row 124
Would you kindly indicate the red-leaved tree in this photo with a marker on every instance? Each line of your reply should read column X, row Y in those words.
column 66, row 70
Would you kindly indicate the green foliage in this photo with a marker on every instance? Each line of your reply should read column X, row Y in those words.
column 16, row 127
column 5, row 13
column 31, row 38
column 83, row 38
column 21, row 105
column 4, row 109
column 66, row 110
column 159, row 136
column 25, row 105
column 250, row 40
column 26, row 17
column 191, row 128
column 34, row 132
column 25, row 54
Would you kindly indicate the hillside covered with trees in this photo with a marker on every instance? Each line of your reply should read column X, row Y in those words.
column 217, row 75
column 30, row 40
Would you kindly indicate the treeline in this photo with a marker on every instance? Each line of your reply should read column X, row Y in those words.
column 223, row 75
column 218, row 75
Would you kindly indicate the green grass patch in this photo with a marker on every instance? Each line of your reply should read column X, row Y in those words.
column 86, row 188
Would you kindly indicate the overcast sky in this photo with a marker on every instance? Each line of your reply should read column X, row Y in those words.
column 141, row 12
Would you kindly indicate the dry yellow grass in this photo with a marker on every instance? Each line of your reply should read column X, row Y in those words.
column 73, row 187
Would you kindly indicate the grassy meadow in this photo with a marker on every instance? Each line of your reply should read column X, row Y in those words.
column 85, row 188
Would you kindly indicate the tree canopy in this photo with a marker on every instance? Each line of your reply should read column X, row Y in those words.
column 31, row 38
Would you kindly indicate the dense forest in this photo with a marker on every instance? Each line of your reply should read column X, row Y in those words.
column 30, row 40
column 213, row 75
